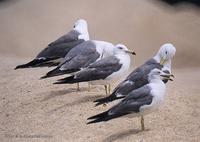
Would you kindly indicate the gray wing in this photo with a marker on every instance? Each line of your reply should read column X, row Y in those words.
column 132, row 102
column 136, row 79
column 80, row 57
column 100, row 69
column 144, row 69
column 150, row 61
column 60, row 47
column 69, row 37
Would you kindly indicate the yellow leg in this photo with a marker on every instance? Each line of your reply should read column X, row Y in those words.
column 142, row 123
column 78, row 88
column 109, row 89
column 106, row 89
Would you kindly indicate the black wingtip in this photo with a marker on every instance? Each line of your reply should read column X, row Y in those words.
column 21, row 67
column 43, row 77
column 50, row 74
column 100, row 115
column 28, row 65
column 107, row 99
column 54, row 72
column 91, row 122
column 92, row 117
column 58, row 82
column 16, row 68
column 67, row 80
column 101, row 101
column 39, row 62
column 61, row 81
column 97, row 104
column 97, row 120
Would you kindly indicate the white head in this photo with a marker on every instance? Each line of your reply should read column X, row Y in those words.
column 122, row 49
column 82, row 28
column 159, row 75
column 165, row 53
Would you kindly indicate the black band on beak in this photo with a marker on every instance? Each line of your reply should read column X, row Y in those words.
column 130, row 52
column 168, row 77
column 133, row 53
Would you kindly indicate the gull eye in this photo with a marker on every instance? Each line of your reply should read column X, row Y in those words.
column 166, row 52
column 120, row 47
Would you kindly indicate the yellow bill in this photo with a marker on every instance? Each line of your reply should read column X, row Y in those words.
column 162, row 61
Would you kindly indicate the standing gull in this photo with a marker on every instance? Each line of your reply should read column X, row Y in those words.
column 139, row 77
column 82, row 56
column 104, row 70
column 56, row 51
column 138, row 102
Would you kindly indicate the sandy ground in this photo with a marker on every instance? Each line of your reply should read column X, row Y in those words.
column 33, row 110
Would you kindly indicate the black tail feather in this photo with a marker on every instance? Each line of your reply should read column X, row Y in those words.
column 99, row 117
column 52, row 73
column 95, row 121
column 42, row 62
column 103, row 114
column 69, row 80
column 108, row 99
column 57, row 72
column 29, row 64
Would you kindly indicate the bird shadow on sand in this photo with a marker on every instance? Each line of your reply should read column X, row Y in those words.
column 120, row 135
column 53, row 94
column 81, row 100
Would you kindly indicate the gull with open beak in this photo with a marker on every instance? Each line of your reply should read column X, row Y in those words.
column 167, row 76
column 139, row 77
column 138, row 102
column 104, row 71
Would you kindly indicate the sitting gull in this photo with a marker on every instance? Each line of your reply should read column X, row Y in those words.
column 138, row 102
column 139, row 77
column 56, row 51
column 104, row 70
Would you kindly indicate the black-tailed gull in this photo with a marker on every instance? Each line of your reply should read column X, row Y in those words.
column 138, row 102
column 56, row 51
column 104, row 70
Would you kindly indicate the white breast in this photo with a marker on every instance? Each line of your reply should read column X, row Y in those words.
column 158, row 92
column 125, row 62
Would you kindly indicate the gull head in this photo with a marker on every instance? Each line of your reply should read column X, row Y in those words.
column 122, row 49
column 82, row 27
column 166, row 53
column 159, row 75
